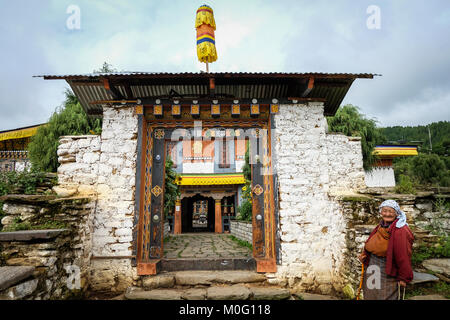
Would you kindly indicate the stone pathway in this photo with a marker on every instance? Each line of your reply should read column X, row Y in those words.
column 204, row 245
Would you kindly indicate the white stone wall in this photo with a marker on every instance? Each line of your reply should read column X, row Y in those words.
column 380, row 177
column 106, row 166
column 345, row 163
column 312, row 164
column 242, row 230
column 78, row 157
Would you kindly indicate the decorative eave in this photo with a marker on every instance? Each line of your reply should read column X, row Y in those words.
column 95, row 90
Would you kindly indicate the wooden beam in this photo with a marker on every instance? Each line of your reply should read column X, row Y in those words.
column 309, row 87
column 212, row 87
column 111, row 89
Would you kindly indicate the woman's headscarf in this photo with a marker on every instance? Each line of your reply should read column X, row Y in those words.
column 400, row 214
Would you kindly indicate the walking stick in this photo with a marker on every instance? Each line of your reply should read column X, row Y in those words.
column 360, row 281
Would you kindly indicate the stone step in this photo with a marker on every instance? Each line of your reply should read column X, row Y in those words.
column 195, row 278
column 441, row 266
column 29, row 235
column 9, row 276
column 314, row 296
column 421, row 277
column 208, row 264
column 428, row 297
column 215, row 292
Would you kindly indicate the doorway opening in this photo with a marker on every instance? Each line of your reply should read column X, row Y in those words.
column 197, row 214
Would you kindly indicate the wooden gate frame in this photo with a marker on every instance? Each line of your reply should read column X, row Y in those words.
column 149, row 213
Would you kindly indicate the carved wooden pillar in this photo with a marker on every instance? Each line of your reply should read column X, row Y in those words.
column 177, row 218
column 218, row 217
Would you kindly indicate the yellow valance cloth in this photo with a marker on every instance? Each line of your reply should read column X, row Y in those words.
column 18, row 134
column 392, row 151
column 205, row 15
column 210, row 179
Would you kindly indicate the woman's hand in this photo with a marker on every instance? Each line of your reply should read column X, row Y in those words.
column 402, row 283
column 362, row 257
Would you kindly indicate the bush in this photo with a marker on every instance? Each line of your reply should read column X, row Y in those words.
column 69, row 120
column 245, row 211
column 424, row 252
column 20, row 182
column 405, row 185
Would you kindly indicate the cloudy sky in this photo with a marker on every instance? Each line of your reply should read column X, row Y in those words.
column 408, row 42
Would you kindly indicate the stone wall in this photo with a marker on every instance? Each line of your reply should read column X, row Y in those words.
column 312, row 168
column 106, row 167
column 241, row 230
column 78, row 157
column 345, row 163
column 61, row 262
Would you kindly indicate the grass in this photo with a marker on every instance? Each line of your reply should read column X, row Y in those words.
column 442, row 288
column 19, row 225
column 241, row 243
column 440, row 250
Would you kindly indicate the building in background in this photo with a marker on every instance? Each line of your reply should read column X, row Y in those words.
column 13, row 148
column 382, row 173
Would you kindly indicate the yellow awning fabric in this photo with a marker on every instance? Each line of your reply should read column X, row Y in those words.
column 210, row 179
column 392, row 151
column 19, row 133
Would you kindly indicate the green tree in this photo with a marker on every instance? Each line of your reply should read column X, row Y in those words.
column 429, row 169
column 171, row 191
column 349, row 121
column 70, row 119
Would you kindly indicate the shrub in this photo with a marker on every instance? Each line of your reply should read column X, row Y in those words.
column 245, row 211
column 405, row 185
column 68, row 120
column 18, row 182
column 440, row 250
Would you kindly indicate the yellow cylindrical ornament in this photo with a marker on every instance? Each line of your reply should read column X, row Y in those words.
column 206, row 44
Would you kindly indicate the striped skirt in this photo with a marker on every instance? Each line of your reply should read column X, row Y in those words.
column 377, row 285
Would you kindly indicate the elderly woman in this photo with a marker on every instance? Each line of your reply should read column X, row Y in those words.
column 387, row 255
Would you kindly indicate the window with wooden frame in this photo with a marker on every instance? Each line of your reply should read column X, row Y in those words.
column 224, row 154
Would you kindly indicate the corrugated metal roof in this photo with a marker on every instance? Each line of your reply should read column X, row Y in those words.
column 240, row 85
column 134, row 73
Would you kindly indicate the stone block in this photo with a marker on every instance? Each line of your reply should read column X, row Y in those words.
column 21, row 290
column 10, row 276
column 420, row 277
column 194, row 294
column 158, row 281
column 268, row 293
column 235, row 292
column 133, row 293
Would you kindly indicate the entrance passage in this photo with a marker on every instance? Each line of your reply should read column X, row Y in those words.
column 204, row 246
column 197, row 214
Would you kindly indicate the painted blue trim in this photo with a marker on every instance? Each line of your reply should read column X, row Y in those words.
column 207, row 40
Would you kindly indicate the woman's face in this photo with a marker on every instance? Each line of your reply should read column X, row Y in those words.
column 388, row 214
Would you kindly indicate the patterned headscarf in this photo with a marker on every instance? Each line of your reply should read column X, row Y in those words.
column 400, row 214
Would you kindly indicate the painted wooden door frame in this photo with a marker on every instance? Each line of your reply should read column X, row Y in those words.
column 149, row 218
